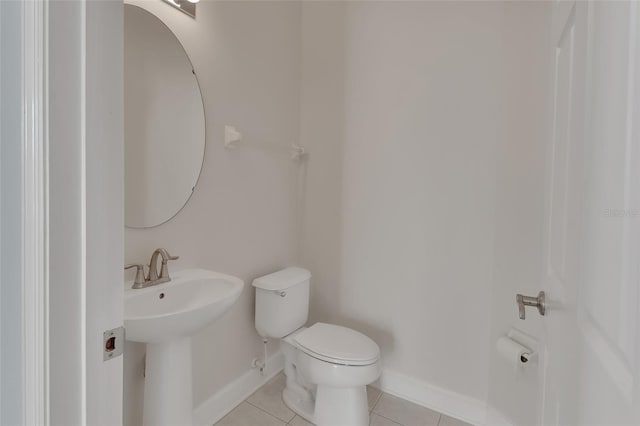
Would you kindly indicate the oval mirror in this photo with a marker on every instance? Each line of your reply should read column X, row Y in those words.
column 163, row 124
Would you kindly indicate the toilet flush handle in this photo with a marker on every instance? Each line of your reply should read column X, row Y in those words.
column 280, row 293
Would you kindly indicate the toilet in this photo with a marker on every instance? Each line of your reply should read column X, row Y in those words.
column 327, row 366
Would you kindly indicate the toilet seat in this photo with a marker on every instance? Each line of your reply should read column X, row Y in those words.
column 337, row 345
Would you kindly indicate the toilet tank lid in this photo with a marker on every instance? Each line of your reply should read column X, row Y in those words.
column 282, row 279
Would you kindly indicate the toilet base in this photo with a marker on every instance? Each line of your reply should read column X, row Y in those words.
column 333, row 406
column 301, row 406
column 325, row 393
column 341, row 406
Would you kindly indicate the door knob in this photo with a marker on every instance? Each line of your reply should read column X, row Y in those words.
column 539, row 302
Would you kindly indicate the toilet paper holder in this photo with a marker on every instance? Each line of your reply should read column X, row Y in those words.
column 527, row 341
column 526, row 357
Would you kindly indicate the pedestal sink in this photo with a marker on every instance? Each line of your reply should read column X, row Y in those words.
column 164, row 317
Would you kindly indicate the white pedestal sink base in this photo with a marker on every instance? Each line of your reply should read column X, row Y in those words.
column 165, row 316
column 167, row 388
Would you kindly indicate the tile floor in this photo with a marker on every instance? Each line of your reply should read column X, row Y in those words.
column 265, row 408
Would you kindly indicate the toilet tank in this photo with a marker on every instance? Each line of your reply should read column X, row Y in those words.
column 282, row 302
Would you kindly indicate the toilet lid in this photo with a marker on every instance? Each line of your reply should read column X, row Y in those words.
column 337, row 344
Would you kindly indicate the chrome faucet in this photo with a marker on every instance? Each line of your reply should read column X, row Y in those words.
column 152, row 277
column 164, row 270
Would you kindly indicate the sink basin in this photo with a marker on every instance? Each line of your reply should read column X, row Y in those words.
column 191, row 300
column 164, row 317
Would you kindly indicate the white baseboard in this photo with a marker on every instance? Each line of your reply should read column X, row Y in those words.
column 459, row 406
column 453, row 404
column 496, row 418
column 226, row 399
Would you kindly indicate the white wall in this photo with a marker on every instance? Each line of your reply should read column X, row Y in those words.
column 419, row 203
column 520, row 200
column 402, row 130
column 322, row 125
column 423, row 191
column 241, row 219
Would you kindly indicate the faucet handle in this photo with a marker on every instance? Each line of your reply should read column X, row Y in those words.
column 164, row 269
column 139, row 280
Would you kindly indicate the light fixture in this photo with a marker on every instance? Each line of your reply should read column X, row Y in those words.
column 187, row 6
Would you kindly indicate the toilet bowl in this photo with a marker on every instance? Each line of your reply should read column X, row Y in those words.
column 327, row 369
column 327, row 366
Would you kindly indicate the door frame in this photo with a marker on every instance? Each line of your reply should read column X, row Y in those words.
column 72, row 194
column 35, row 215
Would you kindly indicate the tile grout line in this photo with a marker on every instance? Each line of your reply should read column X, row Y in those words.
column 376, row 404
column 398, row 423
column 372, row 411
column 377, row 400
column 288, row 423
column 272, row 415
column 226, row 415
column 391, row 420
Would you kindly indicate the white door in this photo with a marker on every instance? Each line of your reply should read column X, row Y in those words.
column 591, row 275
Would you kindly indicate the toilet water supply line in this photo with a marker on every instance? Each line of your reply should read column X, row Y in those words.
column 262, row 365
column 298, row 152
